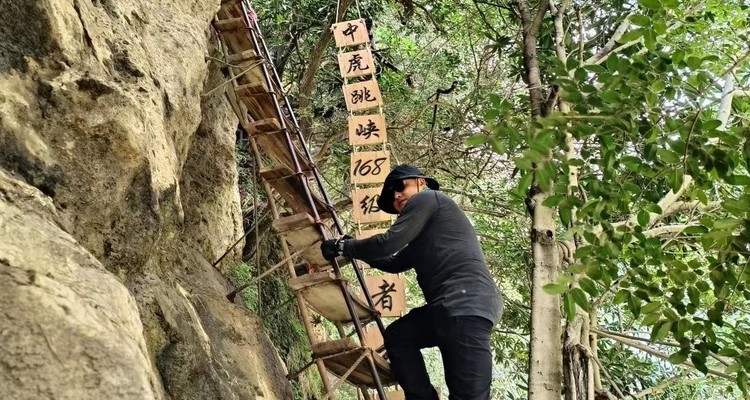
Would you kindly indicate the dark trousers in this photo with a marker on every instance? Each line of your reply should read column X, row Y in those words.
column 464, row 343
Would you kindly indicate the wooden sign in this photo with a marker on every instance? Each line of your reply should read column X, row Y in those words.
column 350, row 33
column 397, row 394
column 367, row 129
column 388, row 293
column 369, row 166
column 373, row 339
column 356, row 63
column 370, row 232
column 365, row 205
column 362, row 95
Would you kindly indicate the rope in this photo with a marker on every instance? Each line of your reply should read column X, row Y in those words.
column 257, row 63
column 346, row 375
column 233, row 293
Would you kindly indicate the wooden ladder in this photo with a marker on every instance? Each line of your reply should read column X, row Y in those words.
column 308, row 217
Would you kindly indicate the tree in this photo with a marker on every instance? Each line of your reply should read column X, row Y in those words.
column 630, row 153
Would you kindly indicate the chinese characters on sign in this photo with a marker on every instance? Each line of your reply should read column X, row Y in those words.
column 362, row 95
column 388, row 294
column 350, row 33
column 369, row 166
column 366, row 206
column 356, row 63
column 367, row 129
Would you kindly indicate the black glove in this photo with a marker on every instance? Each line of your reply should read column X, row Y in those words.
column 333, row 248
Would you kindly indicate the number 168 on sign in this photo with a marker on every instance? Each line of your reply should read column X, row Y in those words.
column 370, row 167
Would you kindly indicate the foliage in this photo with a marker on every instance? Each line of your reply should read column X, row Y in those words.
column 643, row 124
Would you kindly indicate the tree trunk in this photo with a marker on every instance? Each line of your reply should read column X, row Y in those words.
column 578, row 365
column 545, row 347
column 545, row 364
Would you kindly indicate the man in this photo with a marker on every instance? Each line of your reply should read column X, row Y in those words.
column 433, row 236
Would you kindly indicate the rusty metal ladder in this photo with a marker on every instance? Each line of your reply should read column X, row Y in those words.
column 290, row 130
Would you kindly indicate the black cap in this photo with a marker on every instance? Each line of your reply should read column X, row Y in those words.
column 403, row 171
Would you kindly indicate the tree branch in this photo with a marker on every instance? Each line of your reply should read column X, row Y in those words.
column 530, row 61
column 610, row 45
column 656, row 353
column 316, row 57
column 663, row 385
column 666, row 229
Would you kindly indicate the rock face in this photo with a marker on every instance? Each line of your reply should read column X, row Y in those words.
column 117, row 192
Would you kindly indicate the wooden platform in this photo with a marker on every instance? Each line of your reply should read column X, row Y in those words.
column 290, row 187
column 343, row 353
column 300, row 232
column 323, row 292
column 269, row 136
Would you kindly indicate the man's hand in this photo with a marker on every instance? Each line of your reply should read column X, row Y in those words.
column 333, row 248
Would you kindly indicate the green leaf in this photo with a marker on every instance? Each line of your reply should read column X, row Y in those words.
column 589, row 286
column 727, row 223
column 498, row 146
column 675, row 179
column 649, row 39
column 702, row 286
column 736, row 207
column 579, row 296
column 651, row 319
column 651, row 307
column 475, row 140
column 524, row 183
column 699, row 361
column 577, row 268
column 679, row 357
column 660, row 331
column 628, row 37
column 621, row 297
column 555, row 288
column 553, row 201
column 570, row 306
column 668, row 156
column 671, row 314
column 694, row 295
column 652, row 4
column 694, row 62
column 643, row 218
column 711, row 124
column 640, row 20
column 634, row 305
column 731, row 369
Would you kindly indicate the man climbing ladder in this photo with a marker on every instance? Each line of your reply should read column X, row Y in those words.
column 433, row 236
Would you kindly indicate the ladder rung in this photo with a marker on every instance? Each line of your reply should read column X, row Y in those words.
column 231, row 24
column 267, row 125
column 293, row 223
column 323, row 292
column 323, row 349
column 341, row 359
column 247, row 55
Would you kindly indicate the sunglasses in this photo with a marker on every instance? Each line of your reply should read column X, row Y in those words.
column 399, row 185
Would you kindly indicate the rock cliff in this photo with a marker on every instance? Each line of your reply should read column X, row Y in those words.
column 117, row 192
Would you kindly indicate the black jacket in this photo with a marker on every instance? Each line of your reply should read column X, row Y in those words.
column 434, row 236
